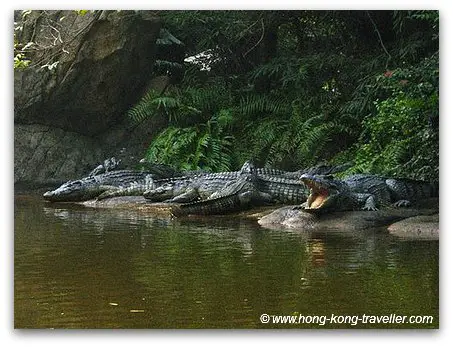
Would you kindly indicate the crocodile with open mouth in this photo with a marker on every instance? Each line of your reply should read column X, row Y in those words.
column 363, row 191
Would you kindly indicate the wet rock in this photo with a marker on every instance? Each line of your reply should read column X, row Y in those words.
column 136, row 204
column 116, row 202
column 418, row 227
column 288, row 217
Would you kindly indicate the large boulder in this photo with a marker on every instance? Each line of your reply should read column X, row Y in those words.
column 418, row 227
column 288, row 217
column 45, row 155
column 104, row 60
column 70, row 103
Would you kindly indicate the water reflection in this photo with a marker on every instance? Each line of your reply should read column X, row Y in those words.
column 84, row 267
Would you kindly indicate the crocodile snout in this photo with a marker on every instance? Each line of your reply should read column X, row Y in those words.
column 48, row 195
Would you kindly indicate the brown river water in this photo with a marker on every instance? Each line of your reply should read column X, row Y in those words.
column 79, row 267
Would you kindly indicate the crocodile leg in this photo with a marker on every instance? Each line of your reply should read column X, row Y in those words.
column 405, row 191
column 190, row 195
column 367, row 201
column 265, row 198
column 245, row 198
column 120, row 191
column 134, row 189
column 109, row 191
column 111, row 164
column 97, row 170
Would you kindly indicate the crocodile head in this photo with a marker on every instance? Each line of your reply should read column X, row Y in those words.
column 325, row 191
column 72, row 191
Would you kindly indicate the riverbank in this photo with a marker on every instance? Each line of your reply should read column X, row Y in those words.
column 406, row 223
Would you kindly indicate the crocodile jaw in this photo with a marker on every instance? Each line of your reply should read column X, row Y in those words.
column 316, row 199
column 320, row 196
column 70, row 191
column 74, row 191
column 63, row 196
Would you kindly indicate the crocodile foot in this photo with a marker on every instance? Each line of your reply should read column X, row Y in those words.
column 370, row 208
column 402, row 203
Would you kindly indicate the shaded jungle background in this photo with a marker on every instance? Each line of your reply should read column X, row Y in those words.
column 287, row 89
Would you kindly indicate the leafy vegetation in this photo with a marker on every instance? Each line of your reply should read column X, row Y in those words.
column 293, row 88
column 402, row 137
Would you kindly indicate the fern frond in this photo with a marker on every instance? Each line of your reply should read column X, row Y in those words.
column 144, row 108
column 254, row 105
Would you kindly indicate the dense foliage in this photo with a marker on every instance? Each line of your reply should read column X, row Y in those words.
column 293, row 88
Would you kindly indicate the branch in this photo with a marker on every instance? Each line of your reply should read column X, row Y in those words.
column 259, row 41
column 57, row 46
column 379, row 35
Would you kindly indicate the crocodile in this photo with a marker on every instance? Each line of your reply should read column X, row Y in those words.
column 107, row 180
column 194, row 186
column 109, row 164
column 235, row 196
column 283, row 186
column 91, row 187
column 204, row 187
column 188, row 188
column 102, row 183
column 162, row 183
column 363, row 191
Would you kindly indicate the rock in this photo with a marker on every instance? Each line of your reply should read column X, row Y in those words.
column 287, row 217
column 44, row 154
column 418, row 227
column 105, row 60
column 132, row 203
column 71, row 117
column 116, row 202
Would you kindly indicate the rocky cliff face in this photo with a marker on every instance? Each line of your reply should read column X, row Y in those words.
column 44, row 154
column 85, row 73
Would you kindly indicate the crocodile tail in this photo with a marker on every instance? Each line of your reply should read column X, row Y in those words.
column 412, row 190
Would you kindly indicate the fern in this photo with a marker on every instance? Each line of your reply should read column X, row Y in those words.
column 202, row 147
column 326, row 91
column 145, row 108
column 253, row 105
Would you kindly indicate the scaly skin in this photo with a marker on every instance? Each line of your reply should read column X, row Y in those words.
column 187, row 189
column 134, row 183
column 192, row 186
column 200, row 188
column 283, row 190
column 234, row 196
column 362, row 191
column 106, row 180
column 93, row 186
column 283, row 186
column 220, row 205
